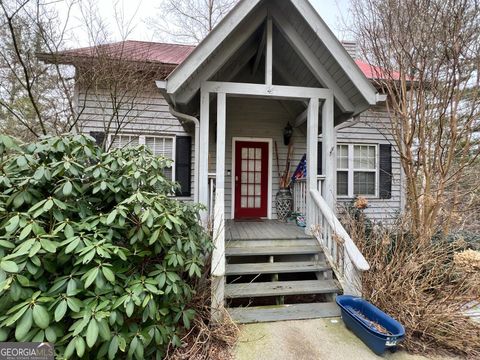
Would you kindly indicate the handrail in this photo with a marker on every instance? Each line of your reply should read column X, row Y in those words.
column 353, row 252
column 319, row 177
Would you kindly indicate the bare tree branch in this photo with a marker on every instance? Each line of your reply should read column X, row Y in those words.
column 189, row 21
column 429, row 55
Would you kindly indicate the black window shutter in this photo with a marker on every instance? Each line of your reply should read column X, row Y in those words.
column 385, row 171
column 319, row 159
column 183, row 165
column 98, row 136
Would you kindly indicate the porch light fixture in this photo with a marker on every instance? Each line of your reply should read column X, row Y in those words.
column 287, row 134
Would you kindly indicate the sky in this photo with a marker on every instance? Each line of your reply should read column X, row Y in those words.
column 334, row 12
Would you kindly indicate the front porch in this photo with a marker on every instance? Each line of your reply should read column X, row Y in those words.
column 262, row 230
column 319, row 261
column 278, row 53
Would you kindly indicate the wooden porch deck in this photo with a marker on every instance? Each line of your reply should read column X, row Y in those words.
column 262, row 230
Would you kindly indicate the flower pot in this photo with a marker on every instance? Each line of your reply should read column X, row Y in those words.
column 284, row 204
column 377, row 330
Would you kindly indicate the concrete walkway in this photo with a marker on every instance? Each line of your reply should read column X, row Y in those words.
column 320, row 339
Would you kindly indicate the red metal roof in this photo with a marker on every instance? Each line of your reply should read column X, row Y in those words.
column 175, row 54
column 131, row 50
column 376, row 73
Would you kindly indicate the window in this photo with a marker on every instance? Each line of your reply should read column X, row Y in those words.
column 357, row 170
column 121, row 141
column 160, row 145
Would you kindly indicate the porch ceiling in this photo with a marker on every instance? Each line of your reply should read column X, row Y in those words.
column 302, row 56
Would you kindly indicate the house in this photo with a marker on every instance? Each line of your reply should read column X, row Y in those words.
column 221, row 111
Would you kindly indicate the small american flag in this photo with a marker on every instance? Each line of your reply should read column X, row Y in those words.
column 301, row 171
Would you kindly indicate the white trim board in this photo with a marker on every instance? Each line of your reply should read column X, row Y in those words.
column 266, row 91
column 270, row 172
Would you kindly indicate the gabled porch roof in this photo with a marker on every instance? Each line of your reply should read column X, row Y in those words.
column 300, row 37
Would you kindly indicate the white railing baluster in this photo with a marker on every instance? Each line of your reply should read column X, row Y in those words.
column 300, row 194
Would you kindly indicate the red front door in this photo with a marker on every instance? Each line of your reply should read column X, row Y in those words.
column 251, row 179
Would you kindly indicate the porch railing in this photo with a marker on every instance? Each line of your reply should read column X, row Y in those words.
column 300, row 194
column 346, row 260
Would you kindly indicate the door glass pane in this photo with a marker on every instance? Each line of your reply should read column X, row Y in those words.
column 251, row 202
column 258, row 202
column 244, row 177
column 251, row 153
column 244, row 190
column 244, row 202
column 258, row 154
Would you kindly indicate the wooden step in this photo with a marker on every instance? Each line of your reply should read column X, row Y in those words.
column 272, row 242
column 284, row 312
column 272, row 250
column 276, row 268
column 276, row 239
column 281, row 288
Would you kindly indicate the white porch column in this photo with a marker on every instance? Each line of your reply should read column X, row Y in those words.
column 312, row 154
column 203, row 191
column 269, row 53
column 218, row 256
column 329, row 143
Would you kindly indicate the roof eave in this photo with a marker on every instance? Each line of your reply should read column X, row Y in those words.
column 338, row 51
column 78, row 60
column 210, row 43
column 187, row 68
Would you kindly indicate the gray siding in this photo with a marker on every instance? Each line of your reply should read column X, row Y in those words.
column 144, row 112
column 148, row 113
column 258, row 118
column 373, row 128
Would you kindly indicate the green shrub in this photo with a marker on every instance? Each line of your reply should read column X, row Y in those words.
column 95, row 255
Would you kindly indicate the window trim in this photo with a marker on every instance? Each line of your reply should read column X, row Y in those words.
column 351, row 170
column 142, row 141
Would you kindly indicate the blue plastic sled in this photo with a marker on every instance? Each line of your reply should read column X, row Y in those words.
column 363, row 319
